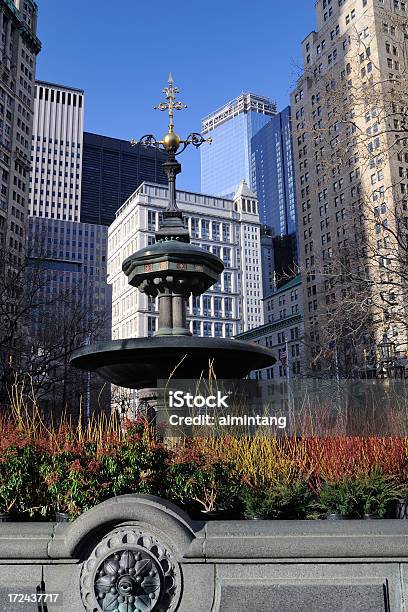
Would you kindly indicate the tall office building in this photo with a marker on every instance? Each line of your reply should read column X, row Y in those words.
column 73, row 254
column 73, row 258
column 351, row 162
column 227, row 161
column 273, row 174
column 70, row 256
column 273, row 178
column 19, row 47
column 111, row 171
column 55, row 188
column 227, row 228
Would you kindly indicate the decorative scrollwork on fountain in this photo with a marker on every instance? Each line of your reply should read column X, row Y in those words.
column 130, row 571
column 148, row 140
column 197, row 139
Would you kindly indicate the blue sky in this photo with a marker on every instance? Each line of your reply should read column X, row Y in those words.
column 121, row 53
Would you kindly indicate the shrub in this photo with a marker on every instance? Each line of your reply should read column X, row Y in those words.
column 375, row 494
column 206, row 487
column 19, row 482
column 378, row 494
column 339, row 497
column 288, row 501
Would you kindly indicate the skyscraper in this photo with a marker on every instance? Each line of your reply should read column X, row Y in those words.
column 19, row 47
column 273, row 178
column 55, row 188
column 112, row 170
column 273, row 174
column 69, row 257
column 73, row 254
column 350, row 138
column 227, row 161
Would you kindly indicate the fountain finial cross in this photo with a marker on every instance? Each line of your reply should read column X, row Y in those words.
column 171, row 105
column 171, row 141
column 172, row 226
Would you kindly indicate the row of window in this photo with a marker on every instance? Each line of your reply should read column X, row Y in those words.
column 198, row 328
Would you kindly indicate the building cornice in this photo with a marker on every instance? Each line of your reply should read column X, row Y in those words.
column 22, row 26
column 262, row 330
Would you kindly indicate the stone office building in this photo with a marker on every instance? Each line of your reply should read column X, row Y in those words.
column 283, row 332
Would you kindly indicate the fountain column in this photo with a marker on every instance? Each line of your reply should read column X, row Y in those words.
column 165, row 313
column 180, row 315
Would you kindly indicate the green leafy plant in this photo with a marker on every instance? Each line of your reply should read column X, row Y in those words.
column 209, row 487
column 378, row 494
column 289, row 501
column 375, row 494
column 18, row 478
column 339, row 497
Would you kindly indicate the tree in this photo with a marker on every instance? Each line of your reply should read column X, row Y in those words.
column 41, row 323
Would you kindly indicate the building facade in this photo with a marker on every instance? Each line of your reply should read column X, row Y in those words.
column 73, row 258
column 279, row 255
column 72, row 253
column 73, row 307
column 351, row 161
column 68, row 257
column 273, row 178
column 55, row 185
column 227, row 160
column 19, row 47
column 228, row 228
column 112, row 170
column 273, row 174
column 283, row 332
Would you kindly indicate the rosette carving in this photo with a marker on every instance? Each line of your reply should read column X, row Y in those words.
column 130, row 571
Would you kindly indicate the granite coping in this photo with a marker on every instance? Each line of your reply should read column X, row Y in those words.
column 202, row 542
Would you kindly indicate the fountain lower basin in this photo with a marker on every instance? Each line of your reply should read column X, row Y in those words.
column 138, row 363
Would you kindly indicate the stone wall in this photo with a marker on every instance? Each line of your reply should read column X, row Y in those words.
column 142, row 553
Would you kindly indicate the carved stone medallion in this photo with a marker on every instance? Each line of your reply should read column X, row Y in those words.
column 130, row 571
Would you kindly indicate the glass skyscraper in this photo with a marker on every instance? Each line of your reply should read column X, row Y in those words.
column 227, row 161
column 273, row 174
column 273, row 180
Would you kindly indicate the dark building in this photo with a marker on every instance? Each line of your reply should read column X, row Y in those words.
column 273, row 178
column 111, row 171
column 279, row 255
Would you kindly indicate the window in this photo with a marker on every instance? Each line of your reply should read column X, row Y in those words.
column 207, row 328
column 205, row 228
column 207, row 306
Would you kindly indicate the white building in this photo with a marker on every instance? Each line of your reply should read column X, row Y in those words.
column 55, row 187
column 228, row 228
